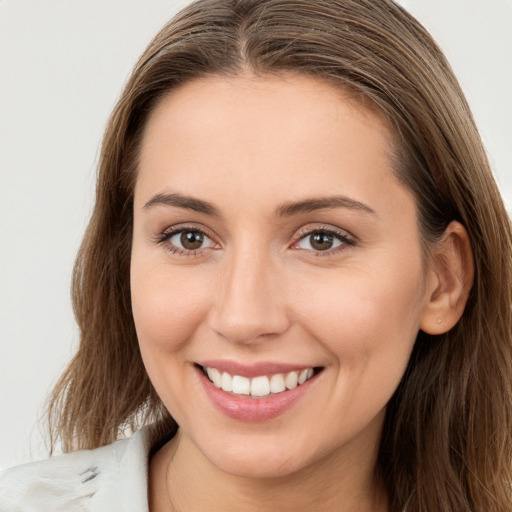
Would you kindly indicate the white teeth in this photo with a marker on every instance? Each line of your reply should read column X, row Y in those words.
column 215, row 376
column 303, row 376
column 277, row 383
column 258, row 386
column 291, row 380
column 241, row 385
column 227, row 382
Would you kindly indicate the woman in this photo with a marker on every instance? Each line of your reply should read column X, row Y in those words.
column 297, row 273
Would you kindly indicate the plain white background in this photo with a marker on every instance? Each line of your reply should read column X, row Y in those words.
column 62, row 66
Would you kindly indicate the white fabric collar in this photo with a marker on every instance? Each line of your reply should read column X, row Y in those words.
column 112, row 477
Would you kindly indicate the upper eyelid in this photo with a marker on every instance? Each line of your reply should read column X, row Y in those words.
column 172, row 230
column 343, row 233
column 300, row 232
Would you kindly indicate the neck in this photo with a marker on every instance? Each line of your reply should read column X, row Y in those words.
column 182, row 479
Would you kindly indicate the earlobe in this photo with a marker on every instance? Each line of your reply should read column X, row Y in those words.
column 450, row 279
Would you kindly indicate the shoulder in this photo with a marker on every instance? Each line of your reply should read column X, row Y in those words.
column 89, row 480
column 59, row 483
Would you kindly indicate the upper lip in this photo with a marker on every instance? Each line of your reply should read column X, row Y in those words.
column 253, row 369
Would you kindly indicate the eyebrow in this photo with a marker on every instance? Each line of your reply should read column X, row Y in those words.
column 185, row 202
column 321, row 203
column 286, row 210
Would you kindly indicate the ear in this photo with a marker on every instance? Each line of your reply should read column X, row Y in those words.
column 449, row 281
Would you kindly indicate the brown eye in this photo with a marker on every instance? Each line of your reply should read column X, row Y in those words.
column 321, row 241
column 188, row 240
column 191, row 240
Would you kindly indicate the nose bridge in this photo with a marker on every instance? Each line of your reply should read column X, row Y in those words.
column 249, row 306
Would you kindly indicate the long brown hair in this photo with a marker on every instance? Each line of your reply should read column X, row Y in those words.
column 447, row 439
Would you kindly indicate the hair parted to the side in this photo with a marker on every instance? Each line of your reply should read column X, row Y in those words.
column 447, row 439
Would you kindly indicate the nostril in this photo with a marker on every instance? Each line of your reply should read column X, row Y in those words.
column 246, row 334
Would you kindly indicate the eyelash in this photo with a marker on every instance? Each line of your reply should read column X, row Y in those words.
column 346, row 240
column 170, row 232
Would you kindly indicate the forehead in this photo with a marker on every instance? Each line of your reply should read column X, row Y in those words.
column 270, row 135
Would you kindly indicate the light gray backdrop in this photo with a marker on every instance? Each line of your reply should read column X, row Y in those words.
column 62, row 66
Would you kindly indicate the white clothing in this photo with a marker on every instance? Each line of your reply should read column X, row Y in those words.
column 108, row 479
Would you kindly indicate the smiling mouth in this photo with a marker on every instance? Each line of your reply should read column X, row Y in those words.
column 262, row 386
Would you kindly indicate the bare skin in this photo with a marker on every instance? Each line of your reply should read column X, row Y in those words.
column 179, row 483
column 269, row 227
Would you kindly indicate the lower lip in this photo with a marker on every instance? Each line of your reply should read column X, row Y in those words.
column 249, row 409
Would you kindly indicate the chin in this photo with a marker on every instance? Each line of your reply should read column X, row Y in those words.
column 260, row 466
column 259, row 458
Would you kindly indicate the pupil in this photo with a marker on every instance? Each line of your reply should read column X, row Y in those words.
column 321, row 241
column 191, row 239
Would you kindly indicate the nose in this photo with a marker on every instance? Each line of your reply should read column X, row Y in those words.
column 250, row 303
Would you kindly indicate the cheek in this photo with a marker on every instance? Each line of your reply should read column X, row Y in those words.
column 365, row 318
column 167, row 307
column 167, row 310
column 368, row 323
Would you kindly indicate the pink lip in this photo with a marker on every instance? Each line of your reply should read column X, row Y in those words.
column 253, row 409
column 252, row 370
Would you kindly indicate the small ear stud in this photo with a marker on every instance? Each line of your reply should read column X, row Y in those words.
column 439, row 321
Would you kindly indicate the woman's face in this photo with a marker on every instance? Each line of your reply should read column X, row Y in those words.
column 272, row 242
